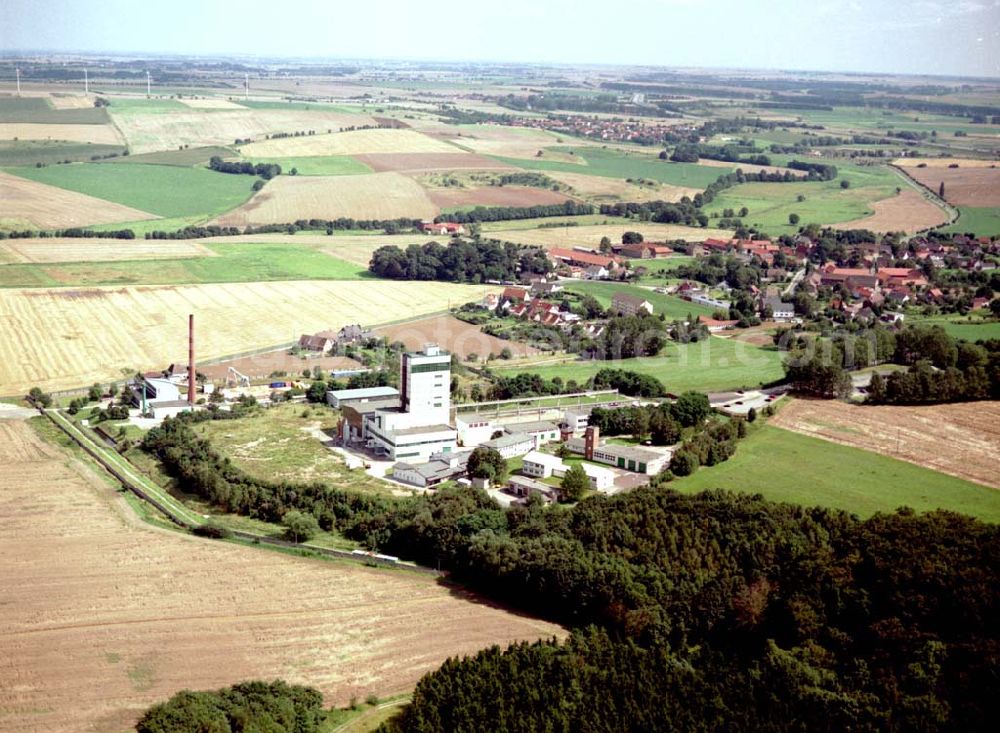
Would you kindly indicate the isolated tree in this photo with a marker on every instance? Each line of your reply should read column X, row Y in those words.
column 605, row 245
column 95, row 392
column 683, row 463
column 574, row 483
column 506, row 353
column 876, row 389
column 751, row 414
column 941, row 190
column 691, row 408
column 631, row 238
column 844, row 183
column 487, row 463
column 744, row 211
column 300, row 526
column 793, row 219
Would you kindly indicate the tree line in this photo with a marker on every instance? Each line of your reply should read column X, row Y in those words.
column 459, row 261
column 507, row 213
column 267, row 171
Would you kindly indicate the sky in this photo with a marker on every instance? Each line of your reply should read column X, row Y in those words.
column 941, row 37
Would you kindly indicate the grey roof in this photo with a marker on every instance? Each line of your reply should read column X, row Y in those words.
column 420, row 429
column 363, row 408
column 532, row 427
column 505, row 441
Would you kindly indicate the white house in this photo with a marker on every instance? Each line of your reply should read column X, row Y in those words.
column 541, row 465
column 511, row 445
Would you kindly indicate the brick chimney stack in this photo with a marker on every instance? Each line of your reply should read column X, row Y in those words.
column 591, row 437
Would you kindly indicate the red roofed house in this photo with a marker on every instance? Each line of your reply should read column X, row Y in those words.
column 584, row 259
column 901, row 276
column 515, row 295
column 444, row 227
column 714, row 325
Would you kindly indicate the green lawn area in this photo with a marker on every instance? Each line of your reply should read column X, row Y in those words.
column 618, row 164
column 787, row 466
column 186, row 158
column 278, row 444
column 825, row 202
column 971, row 328
column 169, row 191
column 50, row 152
column 712, row 365
column 872, row 119
column 670, row 305
column 242, row 262
column 144, row 106
column 659, row 267
column 981, row 221
column 319, row 165
column 299, row 106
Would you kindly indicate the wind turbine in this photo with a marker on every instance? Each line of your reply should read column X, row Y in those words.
column 18, row 73
column 86, row 83
column 246, row 87
column 147, row 84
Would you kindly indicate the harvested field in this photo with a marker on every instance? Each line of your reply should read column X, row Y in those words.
column 964, row 186
column 453, row 335
column 512, row 142
column 104, row 615
column 213, row 103
column 908, row 212
column 98, row 250
column 750, row 167
column 357, row 142
column 943, row 162
column 451, row 198
column 424, row 162
column 63, row 338
column 367, row 196
column 33, row 204
column 351, row 248
column 591, row 235
column 960, row 439
column 607, row 190
column 71, row 101
column 152, row 132
column 259, row 366
column 100, row 134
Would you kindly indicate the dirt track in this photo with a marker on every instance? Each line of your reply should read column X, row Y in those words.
column 961, row 440
column 101, row 615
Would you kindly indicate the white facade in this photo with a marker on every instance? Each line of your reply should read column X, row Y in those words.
column 541, row 465
column 474, row 429
column 425, row 385
column 601, row 479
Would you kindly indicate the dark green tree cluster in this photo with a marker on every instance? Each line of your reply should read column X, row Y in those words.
column 507, row 213
column 248, row 707
column 267, row 171
column 625, row 337
column 459, row 261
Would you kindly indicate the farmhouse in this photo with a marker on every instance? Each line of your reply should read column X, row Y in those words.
column 561, row 256
column 715, row 325
column 643, row 250
column 781, row 311
column 442, row 228
column 630, row 305
column 323, row 341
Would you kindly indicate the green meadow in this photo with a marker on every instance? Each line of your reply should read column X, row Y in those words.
column 246, row 262
column 786, row 466
column 318, row 165
column 618, row 164
column 669, row 305
column 168, row 191
column 981, row 221
column 38, row 110
column 51, row 152
column 711, row 365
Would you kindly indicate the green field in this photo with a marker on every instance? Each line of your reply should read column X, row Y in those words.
column 713, row 365
column 50, row 152
column 825, row 202
column 664, row 266
column 168, row 191
column 185, row 158
column 868, row 120
column 970, row 328
column 670, row 305
column 981, row 221
column 234, row 263
column 143, row 106
column 298, row 106
column 36, row 109
column 319, row 165
column 618, row 164
column 787, row 466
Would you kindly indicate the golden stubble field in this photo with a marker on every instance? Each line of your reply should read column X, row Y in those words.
column 366, row 196
column 64, row 338
column 591, row 235
column 355, row 142
column 79, row 249
column 103, row 615
column 960, row 439
column 908, row 212
column 32, row 204
column 99, row 134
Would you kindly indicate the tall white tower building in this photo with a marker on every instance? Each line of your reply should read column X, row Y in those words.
column 425, row 384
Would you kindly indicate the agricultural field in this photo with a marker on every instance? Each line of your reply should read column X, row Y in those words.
column 416, row 163
column 960, row 439
column 41, row 110
column 600, row 189
column 983, row 222
column 26, row 204
column 216, row 262
column 163, row 190
column 970, row 327
column 74, row 586
column 908, row 212
column 967, row 185
column 370, row 196
column 171, row 129
column 453, row 335
column 356, row 248
column 669, row 305
column 63, row 337
column 713, row 365
column 621, row 164
column 591, row 234
column 357, row 142
column 263, row 365
column 50, row 152
column 185, row 158
column 512, row 142
column 74, row 133
column 785, row 466
column 53, row 249
column 318, row 165
column 452, row 199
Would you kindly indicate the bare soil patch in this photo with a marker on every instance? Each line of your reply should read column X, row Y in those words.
column 367, row 196
column 24, row 202
column 963, row 186
column 591, row 235
column 452, row 335
column 961, row 439
column 605, row 190
column 259, row 366
column 103, row 134
column 423, row 162
column 103, row 616
column 355, row 142
column 448, row 198
column 908, row 212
